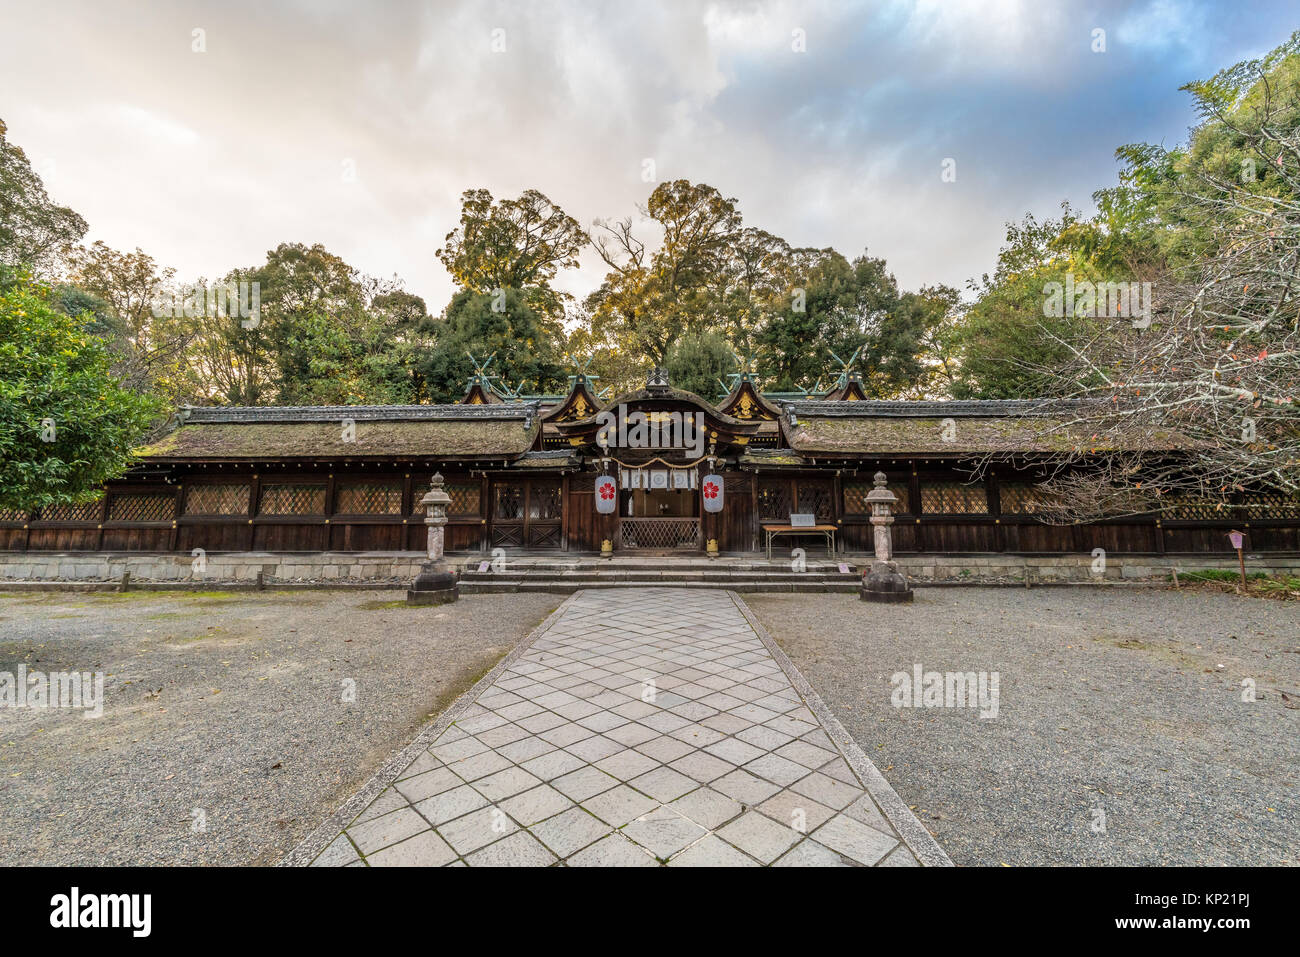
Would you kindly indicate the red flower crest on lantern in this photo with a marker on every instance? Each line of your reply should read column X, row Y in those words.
column 710, row 490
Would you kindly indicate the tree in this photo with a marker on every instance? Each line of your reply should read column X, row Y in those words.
column 503, row 325
column 699, row 361
column 911, row 354
column 651, row 299
column 66, row 423
column 513, row 244
column 393, row 351
column 150, row 346
column 620, row 365
column 1216, row 374
column 34, row 232
column 840, row 309
column 1008, row 345
column 325, row 333
column 228, row 363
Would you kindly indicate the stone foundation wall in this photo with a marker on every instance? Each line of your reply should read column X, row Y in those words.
column 404, row 566
column 222, row 567
column 1080, row 567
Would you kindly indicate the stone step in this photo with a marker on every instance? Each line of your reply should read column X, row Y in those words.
column 665, row 576
column 558, row 587
column 650, row 564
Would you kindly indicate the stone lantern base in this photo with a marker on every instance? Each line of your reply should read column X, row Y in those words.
column 885, row 583
column 435, row 585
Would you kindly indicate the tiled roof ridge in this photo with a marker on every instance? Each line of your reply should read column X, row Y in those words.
column 932, row 408
column 198, row 415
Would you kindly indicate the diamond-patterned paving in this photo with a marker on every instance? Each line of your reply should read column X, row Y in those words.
column 644, row 727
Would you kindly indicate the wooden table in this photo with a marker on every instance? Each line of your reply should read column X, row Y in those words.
column 826, row 531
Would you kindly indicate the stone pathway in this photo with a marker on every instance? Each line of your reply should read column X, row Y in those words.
column 642, row 727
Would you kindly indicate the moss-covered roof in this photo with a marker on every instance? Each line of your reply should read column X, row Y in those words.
column 949, row 435
column 263, row 441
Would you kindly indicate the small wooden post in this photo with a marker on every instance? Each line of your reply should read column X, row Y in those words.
column 1238, row 538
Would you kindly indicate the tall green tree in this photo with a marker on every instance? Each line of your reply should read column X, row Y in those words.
column 504, row 325
column 837, row 309
column 66, row 422
column 517, row 243
column 1008, row 345
column 34, row 231
column 323, row 333
column 150, row 342
column 650, row 299
column 699, row 361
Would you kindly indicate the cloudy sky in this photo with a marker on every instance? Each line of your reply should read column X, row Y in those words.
column 208, row 132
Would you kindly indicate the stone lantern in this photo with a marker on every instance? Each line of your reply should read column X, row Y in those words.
column 884, row 583
column 436, row 584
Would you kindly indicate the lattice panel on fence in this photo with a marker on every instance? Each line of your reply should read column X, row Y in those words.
column 225, row 499
column 953, row 498
column 465, row 499
column 1021, row 498
column 292, row 499
column 87, row 512
column 142, row 507
column 12, row 515
column 1265, row 505
column 774, row 500
column 544, row 502
column 855, row 497
column 1182, row 509
column 815, row 498
column 369, row 498
column 659, row 533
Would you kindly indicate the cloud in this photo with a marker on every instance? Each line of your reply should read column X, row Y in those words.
column 359, row 126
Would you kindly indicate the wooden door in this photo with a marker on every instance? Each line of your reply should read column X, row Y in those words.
column 526, row 513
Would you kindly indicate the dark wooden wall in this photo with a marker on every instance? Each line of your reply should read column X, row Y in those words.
column 158, row 517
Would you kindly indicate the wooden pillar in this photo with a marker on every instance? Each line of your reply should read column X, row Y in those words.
column 176, row 517
column 331, row 490
column 485, row 512
column 565, row 510
column 837, row 510
column 914, row 492
column 994, row 494
column 408, row 506
column 254, row 497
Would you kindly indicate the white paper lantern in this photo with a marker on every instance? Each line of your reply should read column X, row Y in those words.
column 606, row 495
column 711, row 490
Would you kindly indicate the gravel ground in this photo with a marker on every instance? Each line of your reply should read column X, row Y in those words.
column 1125, row 701
column 226, row 702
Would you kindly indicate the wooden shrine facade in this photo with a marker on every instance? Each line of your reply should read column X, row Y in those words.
column 522, row 475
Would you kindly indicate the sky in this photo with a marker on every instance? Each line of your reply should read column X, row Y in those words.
column 207, row 133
